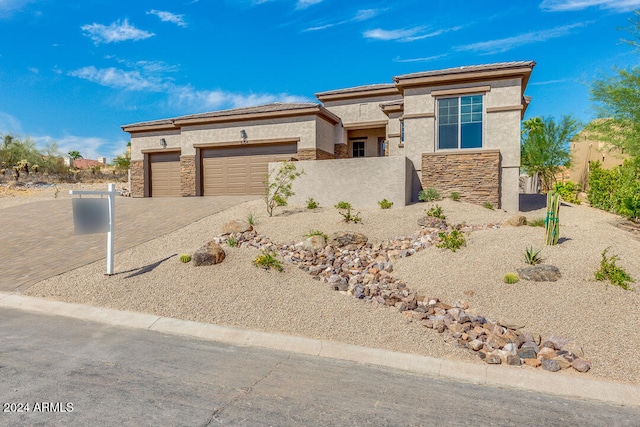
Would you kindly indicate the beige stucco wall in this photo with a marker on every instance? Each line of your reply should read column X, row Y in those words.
column 585, row 150
column 358, row 110
column 151, row 141
column 362, row 181
column 302, row 127
column 325, row 135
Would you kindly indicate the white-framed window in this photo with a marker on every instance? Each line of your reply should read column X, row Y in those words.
column 358, row 148
column 460, row 122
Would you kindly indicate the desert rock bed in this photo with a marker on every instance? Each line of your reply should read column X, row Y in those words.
column 600, row 317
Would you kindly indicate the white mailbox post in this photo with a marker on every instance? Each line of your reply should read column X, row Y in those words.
column 93, row 216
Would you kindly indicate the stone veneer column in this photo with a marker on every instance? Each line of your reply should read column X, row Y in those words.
column 313, row 154
column 475, row 174
column 137, row 178
column 187, row 176
column 342, row 151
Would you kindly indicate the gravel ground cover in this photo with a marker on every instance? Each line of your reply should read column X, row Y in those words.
column 601, row 317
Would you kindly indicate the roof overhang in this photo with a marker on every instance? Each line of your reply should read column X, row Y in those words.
column 353, row 94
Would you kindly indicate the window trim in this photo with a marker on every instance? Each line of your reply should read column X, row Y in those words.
column 437, row 121
column 353, row 147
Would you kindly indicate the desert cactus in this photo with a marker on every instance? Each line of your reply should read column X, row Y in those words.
column 185, row 258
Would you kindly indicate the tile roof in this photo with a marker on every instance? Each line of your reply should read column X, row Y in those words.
column 379, row 86
column 467, row 69
column 267, row 108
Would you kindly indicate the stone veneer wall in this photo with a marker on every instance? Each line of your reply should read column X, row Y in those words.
column 342, row 151
column 137, row 178
column 314, row 154
column 473, row 174
column 187, row 176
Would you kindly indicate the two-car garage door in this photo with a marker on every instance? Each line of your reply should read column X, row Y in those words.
column 240, row 170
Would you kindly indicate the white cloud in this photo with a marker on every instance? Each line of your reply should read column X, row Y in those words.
column 119, row 79
column 361, row 15
column 90, row 147
column 503, row 45
column 548, row 82
column 425, row 59
column 9, row 124
column 169, row 17
column 303, row 4
column 116, row 32
column 566, row 5
column 9, row 7
column 200, row 100
column 406, row 35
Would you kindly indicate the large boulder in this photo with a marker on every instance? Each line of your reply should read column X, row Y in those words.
column 314, row 243
column 432, row 222
column 209, row 254
column 540, row 273
column 349, row 240
column 236, row 227
column 516, row 221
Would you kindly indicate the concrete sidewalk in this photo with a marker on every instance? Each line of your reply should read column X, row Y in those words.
column 37, row 240
column 574, row 386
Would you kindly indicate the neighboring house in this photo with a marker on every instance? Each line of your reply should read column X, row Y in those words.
column 458, row 129
column 81, row 163
column 584, row 149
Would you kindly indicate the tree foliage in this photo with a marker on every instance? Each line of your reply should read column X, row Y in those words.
column 616, row 190
column 279, row 185
column 22, row 156
column 545, row 146
column 75, row 155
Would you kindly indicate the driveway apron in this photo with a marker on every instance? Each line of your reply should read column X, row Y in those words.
column 37, row 240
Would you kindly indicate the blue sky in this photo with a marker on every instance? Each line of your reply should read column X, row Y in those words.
column 74, row 72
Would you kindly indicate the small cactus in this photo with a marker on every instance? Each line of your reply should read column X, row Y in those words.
column 185, row 258
column 511, row 278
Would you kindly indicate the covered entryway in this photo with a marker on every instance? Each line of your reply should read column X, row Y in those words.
column 164, row 174
column 240, row 170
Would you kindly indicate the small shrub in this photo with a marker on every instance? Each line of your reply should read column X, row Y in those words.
column 311, row 204
column 567, row 191
column 532, row 256
column 429, row 195
column 488, row 205
column 511, row 278
column 344, row 209
column 452, row 240
column 251, row 219
column 279, row 185
column 232, row 242
column 316, row 233
column 455, row 196
column 537, row 222
column 385, row 204
column 185, row 258
column 268, row 260
column 609, row 270
column 436, row 212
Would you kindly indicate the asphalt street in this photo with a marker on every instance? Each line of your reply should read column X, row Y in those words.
column 69, row 372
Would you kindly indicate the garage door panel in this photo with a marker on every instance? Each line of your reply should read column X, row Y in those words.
column 240, row 170
column 165, row 178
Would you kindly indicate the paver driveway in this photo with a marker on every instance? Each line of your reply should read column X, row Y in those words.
column 37, row 240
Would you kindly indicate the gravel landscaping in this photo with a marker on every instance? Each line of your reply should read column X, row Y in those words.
column 601, row 317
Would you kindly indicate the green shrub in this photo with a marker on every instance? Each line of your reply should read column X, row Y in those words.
column 616, row 190
column 532, row 256
column 429, row 195
column 344, row 209
column 268, row 260
column 251, row 219
column 452, row 240
column 316, row 233
column 232, row 242
column 385, row 204
column 311, row 204
column 537, row 222
column 511, row 278
column 185, row 258
column 567, row 190
column 279, row 185
column 436, row 212
column 609, row 270
column 455, row 196
column 488, row 205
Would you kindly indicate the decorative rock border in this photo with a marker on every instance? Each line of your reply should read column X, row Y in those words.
column 364, row 271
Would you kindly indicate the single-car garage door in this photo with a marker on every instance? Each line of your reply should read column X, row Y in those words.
column 240, row 170
column 165, row 174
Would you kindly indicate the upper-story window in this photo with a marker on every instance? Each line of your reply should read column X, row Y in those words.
column 460, row 122
column 358, row 148
column 402, row 132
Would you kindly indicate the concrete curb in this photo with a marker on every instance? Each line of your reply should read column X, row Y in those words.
column 498, row 376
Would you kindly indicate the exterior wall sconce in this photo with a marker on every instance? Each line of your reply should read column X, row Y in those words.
column 243, row 136
column 163, row 143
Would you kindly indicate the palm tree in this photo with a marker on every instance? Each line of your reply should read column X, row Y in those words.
column 75, row 155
